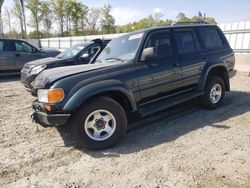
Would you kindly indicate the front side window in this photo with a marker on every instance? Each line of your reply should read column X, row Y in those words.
column 121, row 49
column 93, row 51
column 185, row 42
column 162, row 44
column 23, row 47
column 210, row 37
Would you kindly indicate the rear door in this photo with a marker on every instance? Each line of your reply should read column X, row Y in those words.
column 160, row 76
column 7, row 56
column 190, row 55
column 25, row 53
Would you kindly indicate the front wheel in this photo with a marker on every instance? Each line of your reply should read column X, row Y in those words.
column 214, row 93
column 99, row 124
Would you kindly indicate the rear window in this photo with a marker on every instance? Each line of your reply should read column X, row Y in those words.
column 185, row 42
column 210, row 37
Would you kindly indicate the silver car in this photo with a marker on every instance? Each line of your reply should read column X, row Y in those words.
column 15, row 53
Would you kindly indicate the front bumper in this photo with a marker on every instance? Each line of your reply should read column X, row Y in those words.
column 232, row 73
column 45, row 119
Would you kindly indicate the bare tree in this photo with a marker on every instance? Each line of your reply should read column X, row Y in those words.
column 107, row 21
column 34, row 7
column 59, row 7
column 46, row 17
column 17, row 12
column 93, row 18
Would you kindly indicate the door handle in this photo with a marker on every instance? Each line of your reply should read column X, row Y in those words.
column 18, row 55
column 176, row 65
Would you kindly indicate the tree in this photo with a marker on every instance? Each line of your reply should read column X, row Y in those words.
column 59, row 7
column 83, row 16
column 157, row 16
column 17, row 12
column 34, row 7
column 107, row 21
column 181, row 17
column 46, row 17
column 93, row 18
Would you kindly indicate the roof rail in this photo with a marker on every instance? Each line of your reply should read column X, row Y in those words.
column 187, row 23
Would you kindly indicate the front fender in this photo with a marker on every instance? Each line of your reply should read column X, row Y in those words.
column 96, row 88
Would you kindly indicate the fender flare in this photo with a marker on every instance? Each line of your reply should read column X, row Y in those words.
column 204, row 76
column 83, row 94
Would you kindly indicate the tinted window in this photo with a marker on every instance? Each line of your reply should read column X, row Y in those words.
column 185, row 42
column 162, row 44
column 93, row 51
column 23, row 47
column 1, row 46
column 210, row 37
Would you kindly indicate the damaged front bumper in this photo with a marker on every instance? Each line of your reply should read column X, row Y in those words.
column 46, row 119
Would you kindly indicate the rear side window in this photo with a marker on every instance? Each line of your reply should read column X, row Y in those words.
column 210, row 37
column 185, row 42
column 162, row 43
column 1, row 46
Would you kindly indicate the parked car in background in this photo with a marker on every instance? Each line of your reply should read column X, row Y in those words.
column 15, row 53
column 78, row 54
column 137, row 74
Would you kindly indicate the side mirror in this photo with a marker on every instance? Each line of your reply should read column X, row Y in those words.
column 148, row 54
column 84, row 56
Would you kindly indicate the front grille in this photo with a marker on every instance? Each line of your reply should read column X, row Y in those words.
column 23, row 76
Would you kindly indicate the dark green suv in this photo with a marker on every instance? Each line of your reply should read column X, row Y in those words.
column 136, row 74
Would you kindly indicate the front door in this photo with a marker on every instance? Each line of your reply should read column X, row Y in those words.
column 7, row 56
column 160, row 76
column 25, row 53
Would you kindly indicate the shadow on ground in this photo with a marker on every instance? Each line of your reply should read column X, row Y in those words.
column 163, row 127
column 9, row 78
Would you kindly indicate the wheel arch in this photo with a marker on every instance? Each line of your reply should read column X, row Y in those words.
column 112, row 88
column 215, row 70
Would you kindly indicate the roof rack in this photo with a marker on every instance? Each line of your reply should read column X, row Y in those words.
column 187, row 23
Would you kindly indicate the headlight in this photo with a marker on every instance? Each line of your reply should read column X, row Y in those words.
column 37, row 69
column 50, row 95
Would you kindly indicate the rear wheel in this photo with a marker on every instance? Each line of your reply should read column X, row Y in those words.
column 99, row 124
column 214, row 93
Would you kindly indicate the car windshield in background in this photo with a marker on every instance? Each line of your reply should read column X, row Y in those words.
column 71, row 52
column 121, row 49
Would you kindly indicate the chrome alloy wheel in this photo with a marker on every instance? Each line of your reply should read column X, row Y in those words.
column 215, row 93
column 100, row 125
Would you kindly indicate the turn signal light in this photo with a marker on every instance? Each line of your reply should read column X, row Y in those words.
column 55, row 95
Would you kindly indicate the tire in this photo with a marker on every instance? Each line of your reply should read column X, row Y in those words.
column 214, row 93
column 99, row 124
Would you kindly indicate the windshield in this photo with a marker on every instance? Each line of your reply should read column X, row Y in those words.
column 72, row 51
column 121, row 49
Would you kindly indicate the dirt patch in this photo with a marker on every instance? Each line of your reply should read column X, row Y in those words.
column 186, row 146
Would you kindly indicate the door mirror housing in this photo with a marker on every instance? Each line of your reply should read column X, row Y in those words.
column 84, row 56
column 148, row 54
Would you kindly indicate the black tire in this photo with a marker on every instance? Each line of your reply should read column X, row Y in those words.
column 103, row 103
column 206, row 100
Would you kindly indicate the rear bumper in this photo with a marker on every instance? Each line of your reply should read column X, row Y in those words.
column 232, row 73
column 45, row 119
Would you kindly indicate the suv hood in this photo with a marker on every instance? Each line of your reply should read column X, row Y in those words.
column 44, row 61
column 51, row 75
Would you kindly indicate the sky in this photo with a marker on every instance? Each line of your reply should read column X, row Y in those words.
column 126, row 11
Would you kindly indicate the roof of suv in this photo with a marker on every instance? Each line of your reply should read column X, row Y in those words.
column 177, row 26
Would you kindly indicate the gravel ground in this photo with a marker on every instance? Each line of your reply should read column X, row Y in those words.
column 185, row 146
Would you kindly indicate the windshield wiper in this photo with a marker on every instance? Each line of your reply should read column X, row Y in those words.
column 114, row 58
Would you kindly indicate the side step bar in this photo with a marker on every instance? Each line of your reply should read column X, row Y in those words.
column 160, row 105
